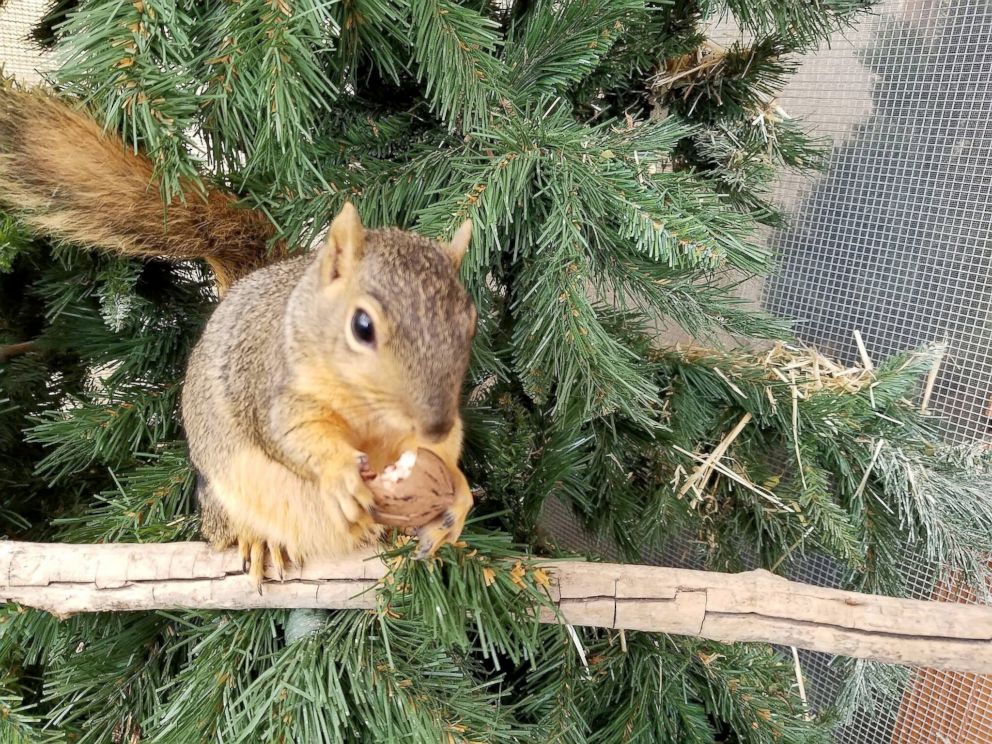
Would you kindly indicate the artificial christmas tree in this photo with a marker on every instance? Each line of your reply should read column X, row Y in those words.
column 616, row 165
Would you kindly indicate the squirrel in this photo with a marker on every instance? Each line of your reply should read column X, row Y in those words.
column 312, row 367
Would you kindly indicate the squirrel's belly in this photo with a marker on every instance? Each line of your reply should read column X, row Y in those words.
column 266, row 501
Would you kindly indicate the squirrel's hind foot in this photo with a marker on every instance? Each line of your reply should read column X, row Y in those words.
column 445, row 529
column 253, row 552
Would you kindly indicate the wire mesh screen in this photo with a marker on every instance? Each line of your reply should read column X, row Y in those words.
column 892, row 241
column 19, row 55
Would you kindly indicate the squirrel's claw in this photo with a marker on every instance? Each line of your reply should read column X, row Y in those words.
column 278, row 562
column 253, row 552
column 355, row 511
column 256, row 571
column 244, row 551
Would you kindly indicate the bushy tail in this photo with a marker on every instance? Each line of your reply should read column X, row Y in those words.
column 65, row 176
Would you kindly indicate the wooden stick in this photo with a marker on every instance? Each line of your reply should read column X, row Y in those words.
column 752, row 606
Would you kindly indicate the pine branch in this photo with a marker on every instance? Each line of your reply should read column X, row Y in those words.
column 561, row 43
column 741, row 162
column 150, row 503
column 373, row 33
column 109, row 427
column 101, row 689
column 230, row 648
column 267, row 88
column 18, row 723
column 721, row 85
column 805, row 26
column 566, row 348
column 131, row 62
column 453, row 45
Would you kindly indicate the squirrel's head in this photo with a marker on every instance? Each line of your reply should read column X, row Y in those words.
column 399, row 321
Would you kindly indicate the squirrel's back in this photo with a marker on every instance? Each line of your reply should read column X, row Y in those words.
column 238, row 359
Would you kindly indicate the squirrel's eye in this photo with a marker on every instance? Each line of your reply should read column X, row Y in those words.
column 362, row 327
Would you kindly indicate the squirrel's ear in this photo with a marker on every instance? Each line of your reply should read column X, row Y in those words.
column 345, row 242
column 455, row 250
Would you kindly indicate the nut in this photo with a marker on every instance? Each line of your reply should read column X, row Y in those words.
column 412, row 492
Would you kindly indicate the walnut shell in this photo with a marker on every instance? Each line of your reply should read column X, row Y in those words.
column 412, row 492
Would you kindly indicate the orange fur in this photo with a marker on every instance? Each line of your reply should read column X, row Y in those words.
column 65, row 176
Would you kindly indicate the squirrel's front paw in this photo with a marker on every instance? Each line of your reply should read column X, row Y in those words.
column 342, row 482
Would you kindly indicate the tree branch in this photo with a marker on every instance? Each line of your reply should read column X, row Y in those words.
column 753, row 606
column 9, row 351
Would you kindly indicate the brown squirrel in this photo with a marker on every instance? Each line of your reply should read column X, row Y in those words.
column 309, row 364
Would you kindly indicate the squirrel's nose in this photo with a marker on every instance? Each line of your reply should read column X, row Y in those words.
column 437, row 430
